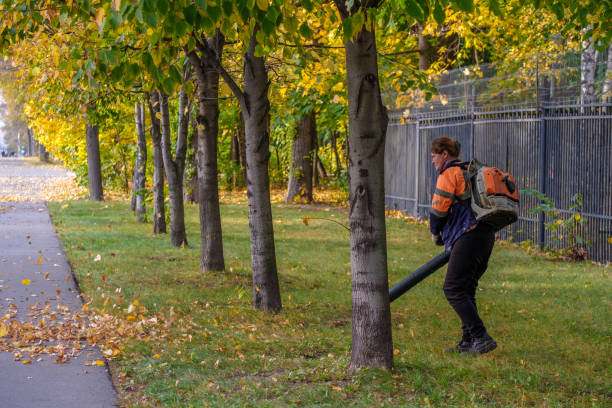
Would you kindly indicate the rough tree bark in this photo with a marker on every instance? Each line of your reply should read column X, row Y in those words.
column 300, row 178
column 141, row 164
column 175, row 166
column 371, row 315
column 426, row 50
column 94, row 168
column 159, row 211
column 191, row 183
column 211, row 257
column 607, row 85
column 43, row 155
column 255, row 107
column 588, row 68
column 334, row 143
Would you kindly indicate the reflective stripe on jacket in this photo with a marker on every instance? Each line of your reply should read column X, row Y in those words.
column 451, row 213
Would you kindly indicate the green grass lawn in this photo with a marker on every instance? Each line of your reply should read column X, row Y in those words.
column 552, row 319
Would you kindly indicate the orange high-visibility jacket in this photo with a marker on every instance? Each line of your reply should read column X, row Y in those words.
column 451, row 213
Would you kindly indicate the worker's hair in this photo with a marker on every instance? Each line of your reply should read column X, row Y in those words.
column 441, row 144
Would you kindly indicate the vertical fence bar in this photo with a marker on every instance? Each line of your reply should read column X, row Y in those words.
column 417, row 154
column 542, row 178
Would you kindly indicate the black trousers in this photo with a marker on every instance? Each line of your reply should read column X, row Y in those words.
column 468, row 262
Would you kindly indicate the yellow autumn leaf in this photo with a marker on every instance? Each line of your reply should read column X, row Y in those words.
column 262, row 4
column 26, row 282
column 25, row 362
column 100, row 16
column 131, row 318
column 99, row 363
column 610, row 240
column 39, row 260
column 158, row 115
column 577, row 217
column 3, row 330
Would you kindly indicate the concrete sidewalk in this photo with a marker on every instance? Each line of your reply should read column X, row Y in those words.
column 27, row 235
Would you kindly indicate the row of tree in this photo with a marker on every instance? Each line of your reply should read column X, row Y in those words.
column 96, row 60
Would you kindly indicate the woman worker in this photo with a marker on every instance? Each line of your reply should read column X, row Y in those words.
column 453, row 224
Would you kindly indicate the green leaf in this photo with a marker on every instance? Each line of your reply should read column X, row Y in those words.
column 180, row 28
column 134, row 69
column 305, row 31
column 115, row 19
column 201, row 4
column 147, row 61
column 228, row 8
column 267, row 26
column 207, row 23
column 190, row 12
column 415, row 10
column 168, row 85
column 291, row 24
column 117, row 72
column 494, row 6
column 439, row 13
column 307, row 4
column 347, row 28
column 214, row 13
column 465, row 5
column 259, row 50
column 151, row 19
column 175, row 74
column 162, row 6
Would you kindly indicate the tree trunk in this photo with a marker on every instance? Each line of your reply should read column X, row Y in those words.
column 191, row 184
column 371, row 331
column 266, row 290
column 426, row 50
column 607, row 85
column 588, row 68
column 235, row 158
column 94, row 168
column 159, row 212
column 334, row 144
column 43, row 155
column 140, row 174
column 175, row 166
column 315, row 155
column 320, row 167
column 255, row 107
column 30, row 140
column 300, row 178
column 211, row 257
column 242, row 149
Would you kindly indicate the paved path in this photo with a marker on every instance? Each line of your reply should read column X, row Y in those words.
column 20, row 181
column 27, row 236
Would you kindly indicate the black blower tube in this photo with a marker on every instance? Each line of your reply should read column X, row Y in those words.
column 415, row 277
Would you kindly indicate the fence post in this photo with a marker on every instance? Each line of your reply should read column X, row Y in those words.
column 417, row 155
column 543, row 164
column 472, row 119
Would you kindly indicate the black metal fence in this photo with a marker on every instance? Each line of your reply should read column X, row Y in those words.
column 559, row 149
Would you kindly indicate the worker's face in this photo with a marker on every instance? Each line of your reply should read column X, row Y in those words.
column 438, row 159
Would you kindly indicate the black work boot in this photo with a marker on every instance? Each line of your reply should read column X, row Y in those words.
column 481, row 345
column 462, row 347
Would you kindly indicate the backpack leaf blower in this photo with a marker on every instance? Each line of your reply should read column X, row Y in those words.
column 417, row 276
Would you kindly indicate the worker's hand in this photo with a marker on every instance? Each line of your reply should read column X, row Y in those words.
column 437, row 239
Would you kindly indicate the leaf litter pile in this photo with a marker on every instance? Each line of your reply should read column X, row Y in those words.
column 64, row 334
column 23, row 182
